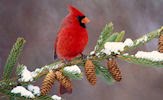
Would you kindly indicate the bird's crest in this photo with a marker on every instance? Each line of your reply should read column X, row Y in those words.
column 74, row 11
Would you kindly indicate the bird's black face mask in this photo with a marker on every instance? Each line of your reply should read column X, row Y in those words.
column 80, row 18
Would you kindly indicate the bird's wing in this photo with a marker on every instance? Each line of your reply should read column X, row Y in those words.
column 56, row 40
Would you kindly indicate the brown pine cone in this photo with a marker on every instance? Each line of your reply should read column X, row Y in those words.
column 47, row 83
column 64, row 81
column 160, row 44
column 114, row 70
column 90, row 72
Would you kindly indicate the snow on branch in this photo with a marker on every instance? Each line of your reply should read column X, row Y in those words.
column 73, row 72
column 26, row 75
column 153, row 58
column 34, row 89
column 22, row 91
column 154, row 55
column 116, row 47
column 55, row 97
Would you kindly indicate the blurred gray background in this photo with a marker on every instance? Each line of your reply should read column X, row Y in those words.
column 38, row 21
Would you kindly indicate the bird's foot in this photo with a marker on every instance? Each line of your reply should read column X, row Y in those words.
column 83, row 56
column 67, row 62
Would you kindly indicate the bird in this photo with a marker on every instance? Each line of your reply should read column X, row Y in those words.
column 72, row 36
column 71, row 39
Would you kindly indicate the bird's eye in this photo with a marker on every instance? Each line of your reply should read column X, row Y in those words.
column 80, row 18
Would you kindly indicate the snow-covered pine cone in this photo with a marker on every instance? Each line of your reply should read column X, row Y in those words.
column 48, row 83
column 160, row 44
column 90, row 72
column 65, row 81
column 114, row 70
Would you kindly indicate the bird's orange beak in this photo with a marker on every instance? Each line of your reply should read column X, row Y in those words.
column 85, row 20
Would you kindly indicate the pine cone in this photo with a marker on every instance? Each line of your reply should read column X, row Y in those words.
column 90, row 72
column 48, row 83
column 160, row 44
column 114, row 70
column 64, row 81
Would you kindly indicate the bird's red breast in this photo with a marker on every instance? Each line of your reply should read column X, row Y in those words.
column 72, row 37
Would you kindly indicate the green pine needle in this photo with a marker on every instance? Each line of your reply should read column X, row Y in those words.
column 112, row 38
column 103, row 72
column 19, row 69
column 120, row 36
column 145, row 39
column 142, row 61
column 13, row 57
column 105, row 34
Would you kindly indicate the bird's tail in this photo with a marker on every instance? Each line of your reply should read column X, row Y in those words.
column 63, row 90
column 55, row 56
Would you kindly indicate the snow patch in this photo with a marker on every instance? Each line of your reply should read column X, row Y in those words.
column 74, row 69
column 92, row 52
column 116, row 47
column 154, row 55
column 34, row 89
column 128, row 42
column 125, row 54
column 55, row 97
column 143, row 39
column 23, row 92
column 26, row 75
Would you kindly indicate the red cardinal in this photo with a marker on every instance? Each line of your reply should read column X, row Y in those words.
column 72, row 37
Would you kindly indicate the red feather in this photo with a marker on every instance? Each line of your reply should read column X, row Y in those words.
column 72, row 37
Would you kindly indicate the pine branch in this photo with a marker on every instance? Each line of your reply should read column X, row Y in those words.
column 102, row 71
column 142, row 61
column 75, row 76
column 13, row 57
column 57, row 65
column 107, row 35
column 120, row 36
column 145, row 39
column 19, row 97
column 106, row 32
column 80, row 61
